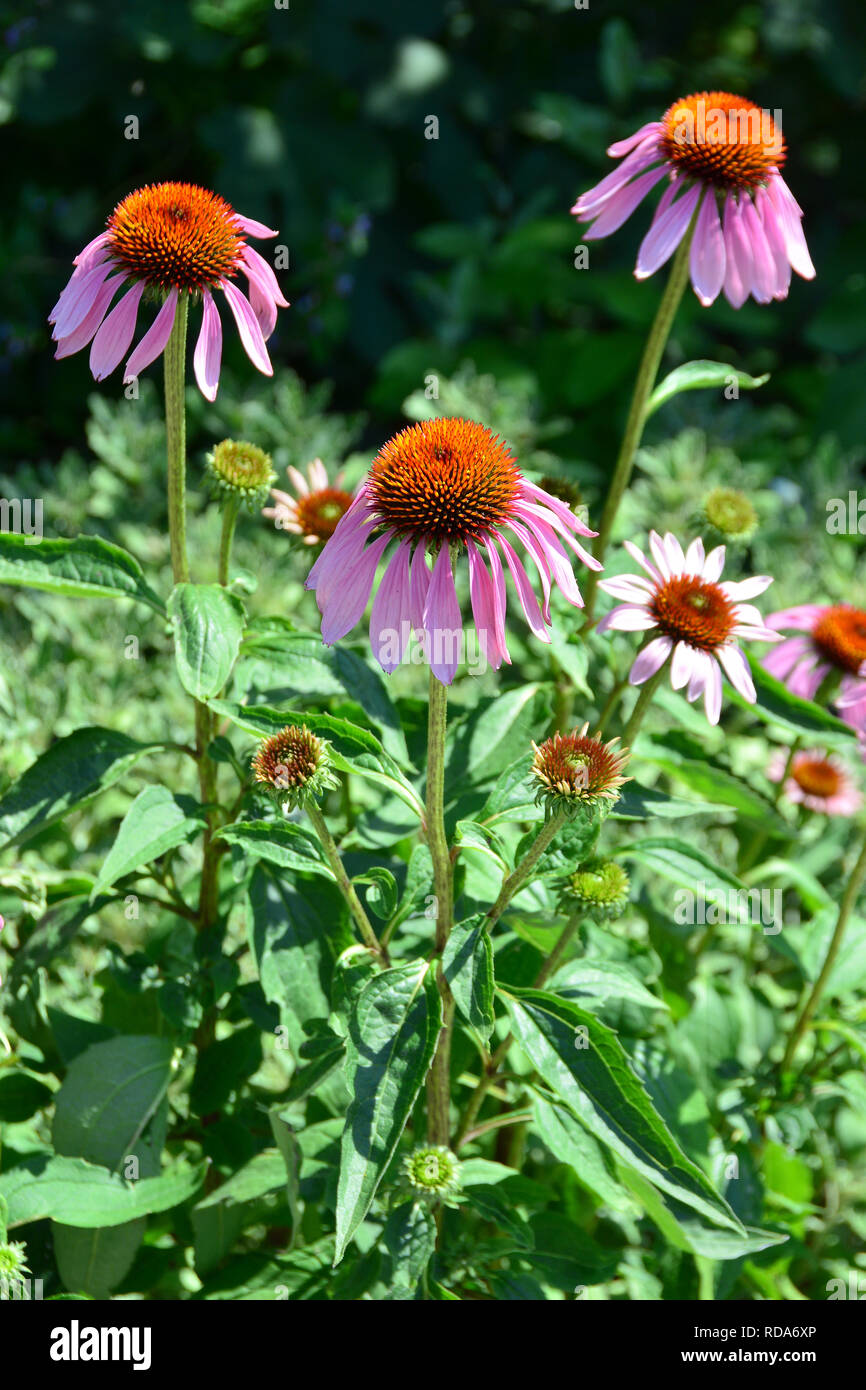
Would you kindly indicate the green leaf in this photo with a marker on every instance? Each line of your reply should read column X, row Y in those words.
column 585, row 1064
column 219, row 1218
column 572, row 1143
column 155, row 823
column 208, row 626
column 21, row 1095
column 283, row 843
column 680, row 1228
column 776, row 705
column 646, row 803
column 393, row 1033
column 682, row 863
column 693, row 376
column 77, row 1193
column 496, row 729
column 720, row 786
column 467, row 963
column 382, row 897
column 353, row 749
column 68, row 775
column 81, row 568
column 602, row 979
column 410, row 1238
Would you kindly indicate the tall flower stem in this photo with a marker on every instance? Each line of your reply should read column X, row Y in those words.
column 641, row 705
column 846, row 907
column 522, row 871
column 439, row 1076
column 230, row 516
column 174, row 364
column 344, row 883
column 646, row 377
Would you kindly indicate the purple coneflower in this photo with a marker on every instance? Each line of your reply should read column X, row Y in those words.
column 446, row 487
column 817, row 781
column 721, row 157
column 697, row 618
column 317, row 507
column 832, row 639
column 168, row 239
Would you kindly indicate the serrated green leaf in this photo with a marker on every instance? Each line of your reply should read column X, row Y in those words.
column 156, row 822
column 682, row 863
column 393, row 1033
column 283, row 843
column 208, row 624
column 81, row 568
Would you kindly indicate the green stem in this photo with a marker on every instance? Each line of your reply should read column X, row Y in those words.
column 522, row 871
column 752, row 853
column 646, row 376
column 230, row 516
column 174, row 364
column 846, row 907
column 347, row 888
column 439, row 1076
column 641, row 705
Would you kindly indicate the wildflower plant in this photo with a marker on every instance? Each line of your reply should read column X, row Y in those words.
column 379, row 943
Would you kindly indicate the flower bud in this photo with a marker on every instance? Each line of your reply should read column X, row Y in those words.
column 432, row 1172
column 578, row 774
column 727, row 517
column 240, row 472
column 294, row 764
column 599, row 890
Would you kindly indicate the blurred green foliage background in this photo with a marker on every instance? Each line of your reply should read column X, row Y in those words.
column 412, row 255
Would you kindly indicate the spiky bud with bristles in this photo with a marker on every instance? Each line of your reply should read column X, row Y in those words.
column 432, row 1172
column 727, row 517
column 240, row 472
column 599, row 890
column 578, row 773
column 13, row 1261
column 295, row 765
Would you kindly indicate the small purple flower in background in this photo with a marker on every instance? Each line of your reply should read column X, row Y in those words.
column 817, row 781
column 698, row 619
column 452, row 487
column 832, row 638
column 317, row 507
column 720, row 156
column 168, row 239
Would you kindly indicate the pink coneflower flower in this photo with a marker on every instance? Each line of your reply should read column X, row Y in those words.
column 317, row 507
column 698, row 619
column 833, row 639
column 168, row 239
column 720, row 156
column 448, row 487
column 818, row 781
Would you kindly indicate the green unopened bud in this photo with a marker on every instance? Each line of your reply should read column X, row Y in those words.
column 240, row 472
column 13, row 1261
column 728, row 517
column 295, row 765
column 432, row 1172
column 599, row 890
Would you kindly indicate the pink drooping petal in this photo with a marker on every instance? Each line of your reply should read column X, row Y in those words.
column 621, row 147
column 73, row 307
column 623, row 203
column 88, row 254
column 737, row 670
column 659, row 554
column 154, row 340
column 666, row 233
column 763, row 265
column 627, row 617
column 700, row 673
column 803, row 616
column 258, row 268
column 115, row 334
column 789, row 223
column 419, row 585
column 738, row 256
column 264, row 309
column 253, row 228
column 499, row 603
column 484, row 608
column 776, row 242
column 549, row 554
column 352, row 528
column 707, row 253
column 248, row 327
column 443, row 623
column 545, row 520
column 298, row 481
column 541, row 556
column 346, row 601
column 528, row 601
column 591, row 202
column 682, row 665
column 208, row 349
column 337, row 561
column 649, row 660
column 390, row 627
column 785, row 657
column 82, row 335
column 713, row 690
column 555, row 504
